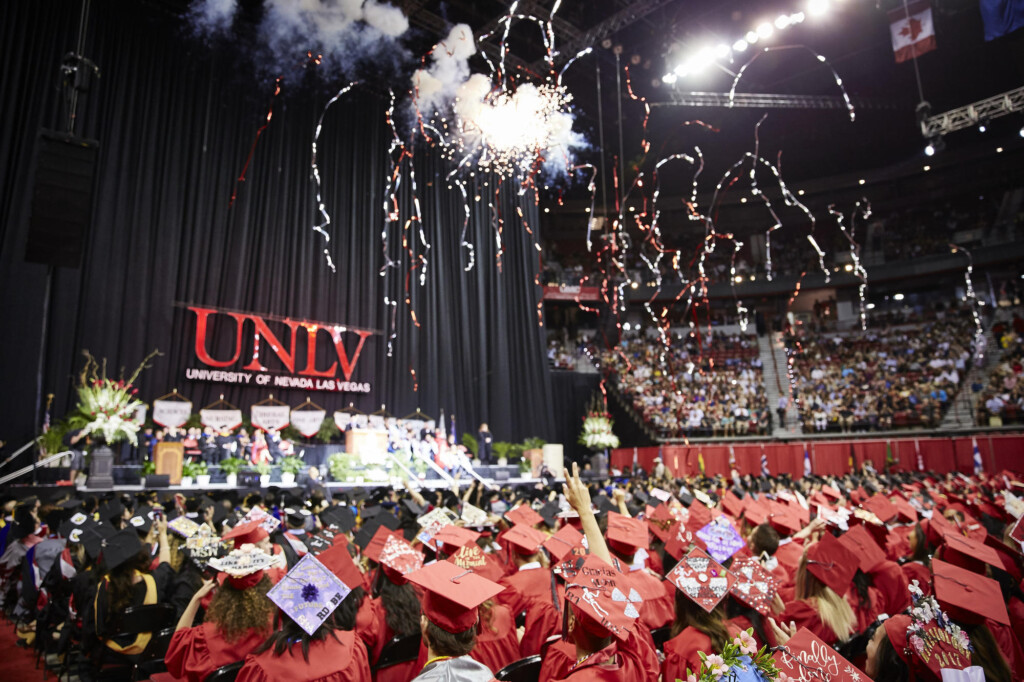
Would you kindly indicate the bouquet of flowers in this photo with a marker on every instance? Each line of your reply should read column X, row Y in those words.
column 107, row 406
column 739, row 656
column 597, row 428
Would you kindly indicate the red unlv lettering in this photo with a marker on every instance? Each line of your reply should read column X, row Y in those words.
column 284, row 348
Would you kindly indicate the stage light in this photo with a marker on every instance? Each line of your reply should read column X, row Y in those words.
column 625, row 326
column 797, row 18
column 722, row 51
column 897, row 297
column 740, row 45
column 1021, row 131
column 999, row 150
column 739, row 278
column 680, row 71
column 927, row 168
column 751, row 37
column 929, row 149
column 800, row 192
column 861, row 181
column 669, row 78
column 743, row 200
column 547, row 210
column 848, row 267
column 870, row 306
column 982, row 125
column 817, row 7
column 765, row 30
column 782, row 22
column 635, row 285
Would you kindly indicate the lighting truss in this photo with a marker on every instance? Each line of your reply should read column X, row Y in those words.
column 767, row 101
column 969, row 116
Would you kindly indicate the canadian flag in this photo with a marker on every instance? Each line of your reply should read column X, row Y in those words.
column 912, row 30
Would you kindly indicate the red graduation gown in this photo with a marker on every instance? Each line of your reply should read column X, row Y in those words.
column 497, row 645
column 330, row 660
column 631, row 661
column 196, row 652
column 560, row 657
column 891, row 582
column 530, row 591
column 915, row 570
column 659, row 606
column 403, row 672
column 682, row 652
column 805, row 615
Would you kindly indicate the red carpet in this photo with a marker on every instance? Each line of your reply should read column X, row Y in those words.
column 18, row 663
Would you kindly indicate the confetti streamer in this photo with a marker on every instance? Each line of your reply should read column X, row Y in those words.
column 971, row 297
column 325, row 217
column 252, row 149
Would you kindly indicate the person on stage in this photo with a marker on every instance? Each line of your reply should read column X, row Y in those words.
column 76, row 441
column 485, row 442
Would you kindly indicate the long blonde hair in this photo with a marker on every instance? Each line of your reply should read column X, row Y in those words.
column 832, row 608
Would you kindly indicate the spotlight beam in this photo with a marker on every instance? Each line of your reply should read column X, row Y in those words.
column 769, row 101
column 972, row 114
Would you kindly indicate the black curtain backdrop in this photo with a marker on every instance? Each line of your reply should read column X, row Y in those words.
column 175, row 123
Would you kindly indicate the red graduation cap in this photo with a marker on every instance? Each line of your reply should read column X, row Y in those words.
column 937, row 528
column 832, row 492
column 524, row 514
column 680, row 538
column 832, row 563
column 937, row 650
column 754, row 585
column 452, row 594
column 905, row 510
column 966, row 596
column 601, row 599
column 339, row 562
column 756, row 513
column 806, row 656
column 562, row 543
column 702, row 579
column 785, row 523
column 625, row 534
column 249, row 532
column 970, row 554
column 859, row 541
column 699, row 517
column 732, row 505
column 451, row 537
column 469, row 556
column 880, row 505
column 524, row 539
column 660, row 521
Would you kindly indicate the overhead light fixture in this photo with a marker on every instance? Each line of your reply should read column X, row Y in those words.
column 870, row 306
column 817, row 7
column 848, row 267
column 740, row 45
column 796, row 18
column 934, row 146
column 897, row 297
column 743, row 200
column 722, row 51
column 751, row 37
column 999, row 150
column 1021, row 131
column 861, row 181
column 669, row 78
column 927, row 168
column 982, row 125
column 765, row 30
column 782, row 22
column 800, row 192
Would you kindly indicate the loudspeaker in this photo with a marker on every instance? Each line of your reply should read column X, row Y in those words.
column 62, row 193
column 158, row 481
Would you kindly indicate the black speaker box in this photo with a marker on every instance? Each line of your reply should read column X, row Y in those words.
column 62, row 193
column 158, row 481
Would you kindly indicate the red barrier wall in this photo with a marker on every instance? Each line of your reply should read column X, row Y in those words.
column 833, row 457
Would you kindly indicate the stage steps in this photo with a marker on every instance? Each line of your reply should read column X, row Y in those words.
column 774, row 369
column 961, row 414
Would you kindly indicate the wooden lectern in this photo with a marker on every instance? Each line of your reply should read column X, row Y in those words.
column 366, row 444
column 168, row 458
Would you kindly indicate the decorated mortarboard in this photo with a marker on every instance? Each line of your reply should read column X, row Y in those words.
column 338, row 517
column 451, row 537
column 807, row 657
column 397, row 558
column 832, row 563
column 601, row 598
column 120, row 547
column 926, row 640
column 660, row 521
column 452, row 594
column 269, row 522
column 473, row 516
column 704, row 498
column 754, row 585
column 204, row 545
column 339, row 562
column 245, row 566
column 433, row 521
column 469, row 556
column 524, row 539
column 702, row 579
column 142, row 519
column 317, row 544
column 183, row 526
column 679, row 541
column 860, row 543
column 564, row 542
column 309, row 593
column 247, row 532
column 297, row 515
column 626, row 534
column 970, row 554
column 721, row 539
column 525, row 515
column 660, row 494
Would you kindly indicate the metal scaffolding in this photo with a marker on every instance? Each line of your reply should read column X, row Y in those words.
column 768, row 101
column 973, row 114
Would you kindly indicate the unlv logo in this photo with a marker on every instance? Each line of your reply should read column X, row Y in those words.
column 266, row 342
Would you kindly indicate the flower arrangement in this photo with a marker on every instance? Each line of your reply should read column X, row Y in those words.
column 597, row 427
column 741, row 653
column 925, row 611
column 109, row 406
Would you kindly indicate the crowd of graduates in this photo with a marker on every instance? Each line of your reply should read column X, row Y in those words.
column 883, row 576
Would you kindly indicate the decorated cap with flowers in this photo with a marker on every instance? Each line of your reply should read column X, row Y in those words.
column 740, row 661
column 926, row 640
column 245, row 566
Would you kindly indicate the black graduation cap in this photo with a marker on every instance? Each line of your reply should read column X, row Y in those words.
column 92, row 538
column 549, row 512
column 641, row 497
column 359, row 494
column 111, row 510
column 219, row 514
column 372, row 512
column 871, row 488
column 603, row 503
column 120, row 547
column 342, row 517
column 686, row 498
column 70, row 505
column 142, row 520
column 414, row 507
column 297, row 516
column 739, row 492
column 369, row 529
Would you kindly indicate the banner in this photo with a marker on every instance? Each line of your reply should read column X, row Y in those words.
column 912, row 30
column 308, row 421
column 342, row 420
column 221, row 419
column 171, row 412
column 268, row 417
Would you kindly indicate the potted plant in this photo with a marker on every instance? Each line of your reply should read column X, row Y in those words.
column 263, row 469
column 338, row 465
column 202, row 474
column 148, row 468
column 290, row 467
column 231, row 466
column 189, row 471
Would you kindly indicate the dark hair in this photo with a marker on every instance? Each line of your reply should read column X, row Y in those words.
column 345, row 615
column 734, row 608
column 861, row 583
column 922, row 549
column 454, row 644
column 401, row 605
column 120, row 585
column 236, row 611
column 764, row 538
column 287, row 632
column 890, row 667
column 691, row 614
column 987, row 654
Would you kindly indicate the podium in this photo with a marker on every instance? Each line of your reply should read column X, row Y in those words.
column 368, row 445
column 168, row 458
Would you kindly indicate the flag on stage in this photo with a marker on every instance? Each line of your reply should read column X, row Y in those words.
column 889, row 461
column 912, row 30
column 977, row 457
column 444, row 430
column 920, row 459
column 700, row 462
column 764, row 463
column 852, row 463
column 455, row 435
column 807, row 462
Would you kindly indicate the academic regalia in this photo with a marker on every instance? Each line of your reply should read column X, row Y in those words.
column 681, row 652
column 631, row 660
column 534, row 591
column 367, row 627
column 892, row 583
column 462, row 668
column 803, row 613
column 341, row 657
column 497, row 644
column 403, row 672
column 915, row 570
column 557, row 661
column 866, row 613
column 196, row 652
column 659, row 599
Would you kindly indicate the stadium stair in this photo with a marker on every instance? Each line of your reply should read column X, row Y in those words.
column 774, row 369
column 961, row 414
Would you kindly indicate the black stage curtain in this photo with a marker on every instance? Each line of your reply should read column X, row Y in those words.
column 572, row 392
column 175, row 123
